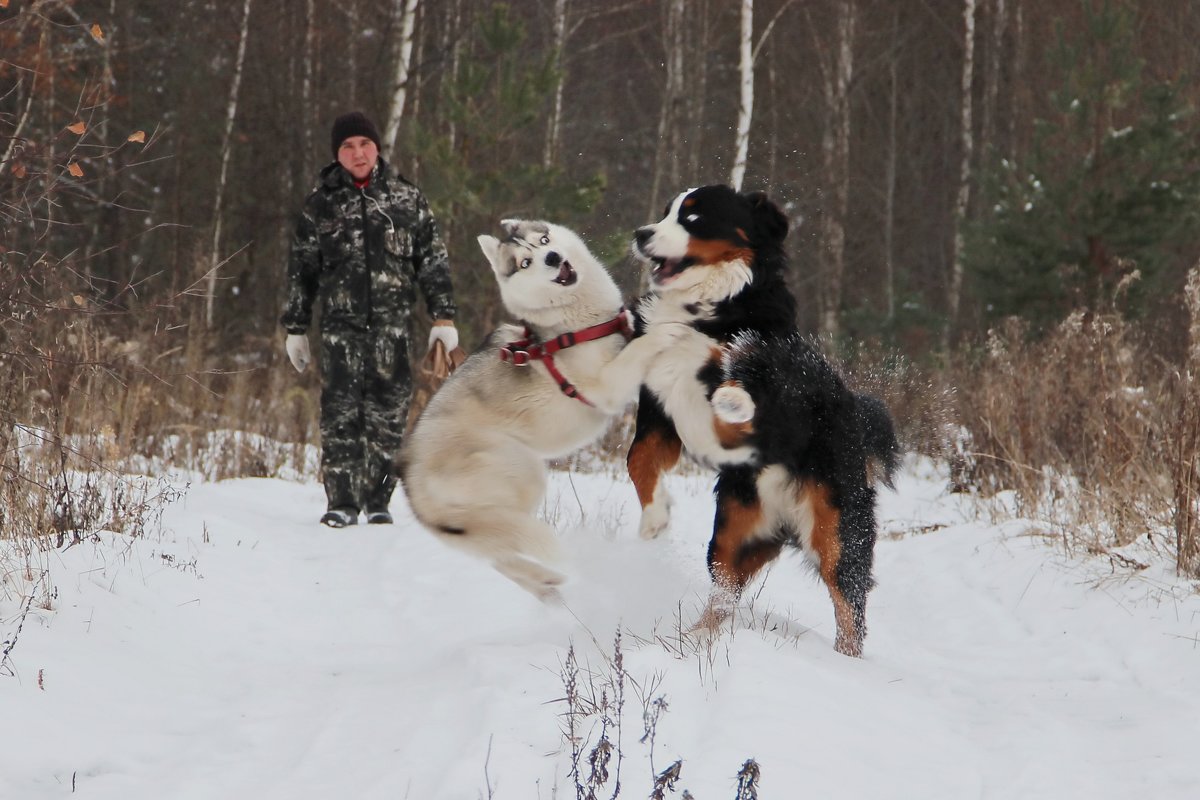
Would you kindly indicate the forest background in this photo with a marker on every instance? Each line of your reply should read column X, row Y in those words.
column 994, row 208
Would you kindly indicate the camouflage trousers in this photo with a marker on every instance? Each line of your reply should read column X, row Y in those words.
column 366, row 386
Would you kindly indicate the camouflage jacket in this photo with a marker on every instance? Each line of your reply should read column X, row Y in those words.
column 365, row 252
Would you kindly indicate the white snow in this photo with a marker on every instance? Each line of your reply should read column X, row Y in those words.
column 248, row 652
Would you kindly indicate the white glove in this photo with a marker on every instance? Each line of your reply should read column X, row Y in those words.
column 298, row 352
column 446, row 334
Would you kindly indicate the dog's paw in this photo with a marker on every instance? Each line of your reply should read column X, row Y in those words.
column 733, row 404
column 550, row 595
column 628, row 321
column 656, row 516
column 707, row 627
column 507, row 333
column 538, row 579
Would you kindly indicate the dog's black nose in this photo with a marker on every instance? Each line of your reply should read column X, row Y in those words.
column 553, row 259
column 642, row 235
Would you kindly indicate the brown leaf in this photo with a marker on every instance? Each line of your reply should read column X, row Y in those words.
column 137, row 136
column 97, row 34
column 79, row 301
column 75, row 169
column 18, row 170
column 78, row 128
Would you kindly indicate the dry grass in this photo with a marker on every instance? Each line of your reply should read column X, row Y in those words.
column 107, row 411
column 593, row 718
column 1088, row 430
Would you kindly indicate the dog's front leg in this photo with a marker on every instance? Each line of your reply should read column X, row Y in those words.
column 656, row 448
column 619, row 380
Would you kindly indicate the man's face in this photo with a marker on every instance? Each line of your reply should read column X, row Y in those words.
column 357, row 155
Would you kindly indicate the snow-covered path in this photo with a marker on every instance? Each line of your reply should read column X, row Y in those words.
column 252, row 653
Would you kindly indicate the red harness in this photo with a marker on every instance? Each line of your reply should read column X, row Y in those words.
column 521, row 352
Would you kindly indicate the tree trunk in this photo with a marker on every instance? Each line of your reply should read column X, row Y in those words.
column 352, row 55
column 451, row 41
column 560, row 45
column 226, row 147
column 408, row 21
column 1018, row 79
column 104, row 211
column 667, row 152
column 309, row 117
column 889, row 213
column 418, row 84
column 963, row 201
column 746, row 104
column 835, row 149
column 696, row 100
column 991, row 91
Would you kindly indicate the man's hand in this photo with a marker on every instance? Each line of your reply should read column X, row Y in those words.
column 443, row 331
column 298, row 352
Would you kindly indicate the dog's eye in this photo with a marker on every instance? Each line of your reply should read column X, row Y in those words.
column 693, row 217
column 525, row 263
column 545, row 240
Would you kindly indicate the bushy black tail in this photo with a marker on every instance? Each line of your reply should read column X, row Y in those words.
column 879, row 435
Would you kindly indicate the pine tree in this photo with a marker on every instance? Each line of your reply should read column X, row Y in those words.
column 1110, row 186
column 494, row 167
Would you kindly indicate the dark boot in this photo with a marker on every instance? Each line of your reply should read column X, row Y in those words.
column 340, row 517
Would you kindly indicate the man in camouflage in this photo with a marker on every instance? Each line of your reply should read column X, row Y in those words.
column 365, row 242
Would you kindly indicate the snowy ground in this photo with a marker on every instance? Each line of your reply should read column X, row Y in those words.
column 250, row 653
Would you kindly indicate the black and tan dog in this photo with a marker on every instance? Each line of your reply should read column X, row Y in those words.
column 746, row 394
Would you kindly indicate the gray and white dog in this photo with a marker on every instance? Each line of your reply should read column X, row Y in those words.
column 474, row 466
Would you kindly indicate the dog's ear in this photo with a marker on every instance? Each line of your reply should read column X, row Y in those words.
column 772, row 222
column 509, row 226
column 490, row 246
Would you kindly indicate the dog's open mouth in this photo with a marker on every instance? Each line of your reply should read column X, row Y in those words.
column 566, row 274
column 666, row 268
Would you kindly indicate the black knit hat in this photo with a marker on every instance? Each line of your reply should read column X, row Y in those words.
column 355, row 123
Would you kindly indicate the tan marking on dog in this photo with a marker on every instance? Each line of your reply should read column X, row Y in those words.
column 733, row 564
column 717, row 251
column 828, row 547
column 648, row 459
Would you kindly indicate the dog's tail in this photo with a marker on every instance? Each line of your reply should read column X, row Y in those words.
column 879, row 435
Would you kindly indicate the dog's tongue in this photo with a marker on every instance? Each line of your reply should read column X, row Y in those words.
column 566, row 275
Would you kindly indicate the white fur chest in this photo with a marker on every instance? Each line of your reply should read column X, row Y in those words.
column 674, row 381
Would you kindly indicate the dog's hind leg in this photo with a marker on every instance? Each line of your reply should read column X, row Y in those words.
column 520, row 546
column 843, row 541
column 534, row 577
column 656, row 448
column 742, row 542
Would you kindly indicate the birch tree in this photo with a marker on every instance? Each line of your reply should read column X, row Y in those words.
column 748, row 53
column 560, row 45
column 407, row 10
column 226, row 147
column 746, row 103
column 964, row 173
